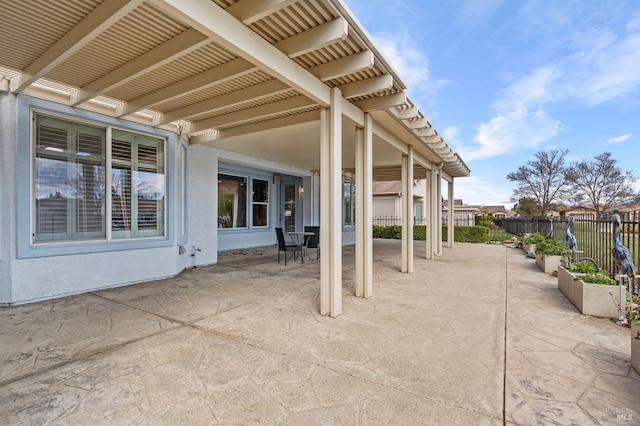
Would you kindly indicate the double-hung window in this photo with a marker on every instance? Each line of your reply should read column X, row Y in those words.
column 74, row 165
column 260, row 200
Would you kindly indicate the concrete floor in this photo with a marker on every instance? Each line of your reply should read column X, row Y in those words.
column 479, row 336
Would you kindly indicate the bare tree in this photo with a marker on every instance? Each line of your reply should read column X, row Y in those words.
column 600, row 183
column 542, row 179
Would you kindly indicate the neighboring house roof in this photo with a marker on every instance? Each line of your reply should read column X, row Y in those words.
column 494, row 209
column 387, row 187
column 216, row 70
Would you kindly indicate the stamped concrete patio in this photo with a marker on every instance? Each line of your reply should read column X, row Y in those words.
column 478, row 336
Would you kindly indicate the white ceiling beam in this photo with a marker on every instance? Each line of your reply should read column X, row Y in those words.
column 426, row 132
column 382, row 102
column 250, row 11
column 255, row 113
column 100, row 18
column 431, row 139
column 218, row 75
column 438, row 145
column 408, row 113
column 233, row 35
column 257, row 91
column 417, row 123
column 314, row 38
column 276, row 123
column 389, row 138
column 367, row 87
column 179, row 45
column 340, row 67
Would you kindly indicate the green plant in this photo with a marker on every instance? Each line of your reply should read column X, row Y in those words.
column 533, row 238
column 550, row 247
column 634, row 316
column 597, row 278
column 583, row 268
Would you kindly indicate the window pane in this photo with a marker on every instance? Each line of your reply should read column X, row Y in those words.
column 260, row 191
column 232, row 201
column 69, row 180
column 260, row 216
column 137, row 185
column 349, row 204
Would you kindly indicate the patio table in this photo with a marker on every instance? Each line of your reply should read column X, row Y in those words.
column 296, row 236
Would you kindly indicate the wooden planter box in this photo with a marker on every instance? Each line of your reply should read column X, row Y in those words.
column 549, row 264
column 599, row 300
column 635, row 347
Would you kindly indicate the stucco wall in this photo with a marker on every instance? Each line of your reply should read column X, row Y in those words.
column 33, row 272
column 7, row 195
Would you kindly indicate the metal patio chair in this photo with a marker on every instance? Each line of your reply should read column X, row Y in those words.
column 313, row 241
column 286, row 247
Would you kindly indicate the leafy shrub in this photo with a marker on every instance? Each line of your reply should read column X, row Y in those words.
column 551, row 247
column 468, row 234
column 487, row 223
column 533, row 238
column 464, row 234
column 583, row 268
column 390, row 232
column 597, row 278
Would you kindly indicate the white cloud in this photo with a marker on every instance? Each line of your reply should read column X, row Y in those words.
column 410, row 61
column 602, row 67
column 473, row 190
column 619, row 139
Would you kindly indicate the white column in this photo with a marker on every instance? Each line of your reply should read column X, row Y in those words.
column 439, row 212
column 429, row 216
column 407, row 212
column 435, row 206
column 331, row 207
column 364, row 209
column 450, row 224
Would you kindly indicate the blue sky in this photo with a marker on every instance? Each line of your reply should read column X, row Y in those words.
column 503, row 79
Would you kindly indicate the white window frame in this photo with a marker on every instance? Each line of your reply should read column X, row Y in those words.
column 108, row 235
column 260, row 203
column 246, row 201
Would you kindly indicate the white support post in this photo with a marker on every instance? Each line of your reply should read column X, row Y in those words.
column 407, row 212
column 331, row 207
column 450, row 212
column 439, row 211
column 435, row 206
column 364, row 208
column 429, row 219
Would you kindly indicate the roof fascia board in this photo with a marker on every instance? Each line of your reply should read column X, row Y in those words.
column 231, row 34
column 359, row 30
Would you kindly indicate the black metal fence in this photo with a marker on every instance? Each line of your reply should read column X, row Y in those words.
column 395, row 220
column 593, row 233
